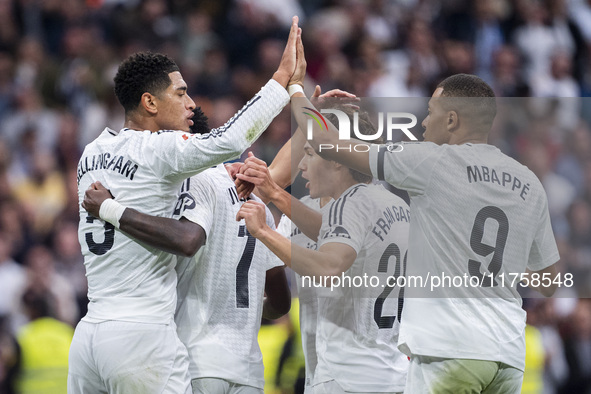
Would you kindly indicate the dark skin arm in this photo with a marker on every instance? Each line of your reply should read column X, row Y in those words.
column 278, row 300
column 181, row 237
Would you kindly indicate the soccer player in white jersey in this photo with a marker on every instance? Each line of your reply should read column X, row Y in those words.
column 127, row 342
column 357, row 326
column 475, row 211
column 220, row 290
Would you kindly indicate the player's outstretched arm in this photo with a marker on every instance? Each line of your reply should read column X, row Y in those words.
column 346, row 153
column 288, row 63
column 278, row 300
column 331, row 259
column 284, row 167
column 196, row 153
column 181, row 237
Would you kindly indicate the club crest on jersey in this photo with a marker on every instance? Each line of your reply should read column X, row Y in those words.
column 337, row 232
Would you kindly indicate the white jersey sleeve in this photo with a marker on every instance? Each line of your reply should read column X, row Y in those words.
column 409, row 168
column 197, row 202
column 544, row 251
column 177, row 155
column 344, row 228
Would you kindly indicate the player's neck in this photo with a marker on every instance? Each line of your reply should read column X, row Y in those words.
column 472, row 138
column 140, row 123
column 341, row 185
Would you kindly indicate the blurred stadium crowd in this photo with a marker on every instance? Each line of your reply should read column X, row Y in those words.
column 58, row 59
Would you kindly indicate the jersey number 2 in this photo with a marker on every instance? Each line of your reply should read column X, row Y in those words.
column 388, row 321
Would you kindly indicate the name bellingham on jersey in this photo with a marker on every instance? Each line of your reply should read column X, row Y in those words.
column 104, row 161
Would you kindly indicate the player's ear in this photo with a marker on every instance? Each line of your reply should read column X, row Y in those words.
column 336, row 165
column 453, row 121
column 148, row 102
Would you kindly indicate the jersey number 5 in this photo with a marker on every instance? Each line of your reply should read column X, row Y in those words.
column 107, row 244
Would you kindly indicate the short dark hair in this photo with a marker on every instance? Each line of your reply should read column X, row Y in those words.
column 481, row 104
column 140, row 73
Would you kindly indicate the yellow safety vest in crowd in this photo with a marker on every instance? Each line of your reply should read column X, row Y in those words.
column 45, row 344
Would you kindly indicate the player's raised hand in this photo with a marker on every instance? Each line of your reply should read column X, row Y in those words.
column 243, row 188
column 256, row 172
column 94, row 197
column 287, row 65
column 254, row 216
column 320, row 99
column 300, row 69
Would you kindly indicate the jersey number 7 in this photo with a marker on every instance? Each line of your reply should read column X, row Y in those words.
column 243, row 267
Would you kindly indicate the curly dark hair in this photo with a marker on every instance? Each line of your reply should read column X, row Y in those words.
column 200, row 122
column 140, row 73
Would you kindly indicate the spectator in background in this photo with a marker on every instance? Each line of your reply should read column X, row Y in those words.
column 534, row 39
column 69, row 262
column 43, row 193
column 42, row 276
column 507, row 79
column 45, row 344
column 560, row 83
column 577, row 344
column 12, row 284
column 30, row 116
column 568, row 35
column 9, row 358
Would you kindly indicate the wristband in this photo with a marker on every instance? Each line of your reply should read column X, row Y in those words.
column 111, row 211
column 293, row 89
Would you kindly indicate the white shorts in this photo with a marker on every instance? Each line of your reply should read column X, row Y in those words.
column 122, row 357
column 461, row 376
column 221, row 386
column 332, row 387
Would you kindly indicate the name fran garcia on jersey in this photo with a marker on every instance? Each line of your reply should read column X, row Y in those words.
column 490, row 175
column 389, row 216
column 104, row 161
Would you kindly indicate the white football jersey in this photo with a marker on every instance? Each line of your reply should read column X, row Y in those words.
column 221, row 288
column 358, row 324
column 129, row 280
column 475, row 212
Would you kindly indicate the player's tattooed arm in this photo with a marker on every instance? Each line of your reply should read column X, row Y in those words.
column 181, row 237
column 278, row 300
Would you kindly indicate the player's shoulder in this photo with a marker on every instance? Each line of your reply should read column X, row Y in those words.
column 375, row 194
column 215, row 177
